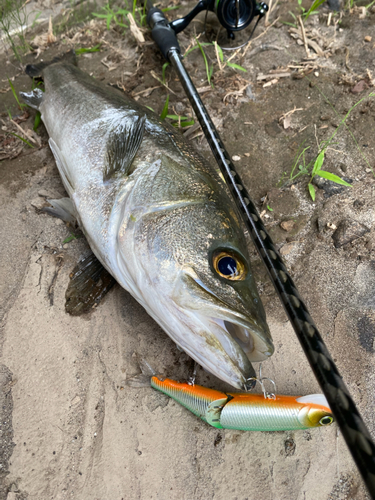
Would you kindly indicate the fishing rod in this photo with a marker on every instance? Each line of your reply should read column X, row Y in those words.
column 236, row 15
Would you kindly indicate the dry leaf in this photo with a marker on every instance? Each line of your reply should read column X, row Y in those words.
column 287, row 121
column 359, row 87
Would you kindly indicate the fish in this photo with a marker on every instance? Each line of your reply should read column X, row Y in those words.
column 242, row 411
column 157, row 216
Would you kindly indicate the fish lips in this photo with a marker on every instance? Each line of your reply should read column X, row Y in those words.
column 239, row 336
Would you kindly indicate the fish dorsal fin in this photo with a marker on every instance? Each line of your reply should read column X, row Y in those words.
column 122, row 147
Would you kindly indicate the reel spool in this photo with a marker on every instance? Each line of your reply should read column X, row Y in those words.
column 235, row 15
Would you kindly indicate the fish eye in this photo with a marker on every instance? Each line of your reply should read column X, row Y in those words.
column 229, row 266
column 326, row 420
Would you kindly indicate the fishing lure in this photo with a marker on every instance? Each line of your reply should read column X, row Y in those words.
column 241, row 410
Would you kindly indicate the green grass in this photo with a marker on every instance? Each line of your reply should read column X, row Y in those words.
column 227, row 63
column 351, row 3
column 163, row 70
column 37, row 121
column 314, row 167
column 69, row 238
column 21, row 105
column 110, row 15
column 317, row 170
column 313, row 9
column 165, row 109
column 210, row 67
column 177, row 120
column 118, row 15
column 88, row 50
column 13, row 16
column 305, row 14
column 75, row 15
column 21, row 138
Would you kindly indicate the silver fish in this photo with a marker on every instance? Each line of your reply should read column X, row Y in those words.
column 159, row 219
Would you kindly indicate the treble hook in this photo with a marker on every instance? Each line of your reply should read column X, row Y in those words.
column 260, row 380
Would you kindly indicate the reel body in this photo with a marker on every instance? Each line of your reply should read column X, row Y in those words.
column 233, row 15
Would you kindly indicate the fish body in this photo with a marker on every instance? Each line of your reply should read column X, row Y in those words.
column 159, row 219
column 245, row 411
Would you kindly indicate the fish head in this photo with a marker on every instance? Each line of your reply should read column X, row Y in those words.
column 193, row 264
column 315, row 412
column 222, row 322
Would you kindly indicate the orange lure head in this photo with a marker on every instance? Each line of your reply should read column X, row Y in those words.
column 316, row 412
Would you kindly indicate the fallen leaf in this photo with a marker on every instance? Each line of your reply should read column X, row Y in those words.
column 287, row 121
column 287, row 225
column 359, row 87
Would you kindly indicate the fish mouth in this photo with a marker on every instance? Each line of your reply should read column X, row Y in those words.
column 251, row 339
column 234, row 339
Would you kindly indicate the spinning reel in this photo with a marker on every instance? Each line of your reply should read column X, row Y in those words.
column 233, row 15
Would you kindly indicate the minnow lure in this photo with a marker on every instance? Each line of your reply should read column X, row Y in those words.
column 242, row 410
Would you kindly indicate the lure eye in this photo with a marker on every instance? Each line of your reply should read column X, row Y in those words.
column 229, row 266
column 326, row 420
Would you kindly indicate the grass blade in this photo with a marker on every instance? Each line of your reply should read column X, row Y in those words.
column 314, row 6
column 69, row 238
column 174, row 7
column 37, row 121
column 92, row 49
column 220, row 52
column 236, row 66
column 209, row 71
column 21, row 105
column 318, row 163
column 312, row 191
column 165, row 109
column 21, row 138
column 165, row 66
column 188, row 123
column 333, row 178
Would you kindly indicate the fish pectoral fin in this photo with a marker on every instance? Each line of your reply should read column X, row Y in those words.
column 89, row 282
column 33, row 99
column 62, row 209
column 61, row 165
column 123, row 146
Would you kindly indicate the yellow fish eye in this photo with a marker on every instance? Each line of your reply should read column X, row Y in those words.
column 326, row 420
column 229, row 266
